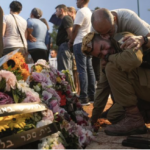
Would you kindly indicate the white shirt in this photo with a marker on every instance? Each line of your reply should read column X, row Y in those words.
column 12, row 37
column 83, row 18
column 53, row 62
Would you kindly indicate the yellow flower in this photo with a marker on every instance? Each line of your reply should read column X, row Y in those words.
column 15, row 61
column 17, row 122
column 58, row 79
column 3, row 126
column 6, row 118
column 38, row 68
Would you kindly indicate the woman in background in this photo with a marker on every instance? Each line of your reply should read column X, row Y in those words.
column 11, row 37
column 37, row 35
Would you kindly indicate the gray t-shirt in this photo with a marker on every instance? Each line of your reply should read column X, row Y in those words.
column 130, row 22
column 39, row 32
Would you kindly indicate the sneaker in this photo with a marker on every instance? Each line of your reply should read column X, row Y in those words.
column 91, row 99
column 84, row 102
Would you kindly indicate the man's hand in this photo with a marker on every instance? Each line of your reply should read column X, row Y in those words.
column 132, row 42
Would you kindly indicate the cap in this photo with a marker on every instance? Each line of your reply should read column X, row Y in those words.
column 36, row 12
column 87, row 43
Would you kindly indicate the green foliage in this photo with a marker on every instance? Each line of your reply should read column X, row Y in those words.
column 72, row 140
column 53, row 37
column 18, row 96
column 2, row 84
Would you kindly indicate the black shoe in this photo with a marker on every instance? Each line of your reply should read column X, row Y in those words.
column 84, row 102
column 91, row 99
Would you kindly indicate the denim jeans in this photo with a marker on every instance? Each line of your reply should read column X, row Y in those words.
column 86, row 73
column 64, row 58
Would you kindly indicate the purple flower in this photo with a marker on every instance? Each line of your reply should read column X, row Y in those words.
column 5, row 99
column 41, row 78
column 46, row 95
column 53, row 92
column 53, row 103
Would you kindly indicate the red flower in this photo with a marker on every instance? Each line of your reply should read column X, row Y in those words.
column 63, row 98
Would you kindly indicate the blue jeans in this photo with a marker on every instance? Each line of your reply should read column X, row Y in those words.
column 64, row 58
column 86, row 73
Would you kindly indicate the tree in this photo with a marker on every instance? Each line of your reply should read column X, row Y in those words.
column 53, row 37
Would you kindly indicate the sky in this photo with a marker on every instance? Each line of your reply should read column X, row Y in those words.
column 48, row 6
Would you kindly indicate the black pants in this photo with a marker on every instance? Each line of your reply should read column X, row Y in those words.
column 38, row 54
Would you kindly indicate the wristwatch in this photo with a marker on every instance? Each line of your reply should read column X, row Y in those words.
column 145, row 40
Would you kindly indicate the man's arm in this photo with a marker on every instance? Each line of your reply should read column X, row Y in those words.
column 101, row 96
column 127, row 60
column 69, row 32
column 74, row 34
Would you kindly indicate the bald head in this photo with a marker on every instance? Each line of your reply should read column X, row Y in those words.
column 101, row 18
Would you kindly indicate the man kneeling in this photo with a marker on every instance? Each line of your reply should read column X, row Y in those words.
column 127, row 74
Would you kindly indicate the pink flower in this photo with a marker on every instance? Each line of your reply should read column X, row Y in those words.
column 31, row 96
column 48, row 115
column 5, row 99
column 10, row 79
column 56, row 108
column 59, row 146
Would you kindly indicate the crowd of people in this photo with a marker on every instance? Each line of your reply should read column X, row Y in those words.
column 117, row 40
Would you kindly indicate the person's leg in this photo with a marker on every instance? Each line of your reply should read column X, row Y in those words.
column 125, row 95
column 91, row 79
column 38, row 54
column 96, row 67
column 81, row 67
column 76, row 76
column 64, row 59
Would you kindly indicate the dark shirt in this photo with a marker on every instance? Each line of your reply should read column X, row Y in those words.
column 62, row 35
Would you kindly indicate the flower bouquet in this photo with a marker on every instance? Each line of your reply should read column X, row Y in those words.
column 17, row 65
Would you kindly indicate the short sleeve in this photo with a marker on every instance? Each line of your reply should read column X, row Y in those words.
column 79, row 18
column 29, row 24
column 67, row 22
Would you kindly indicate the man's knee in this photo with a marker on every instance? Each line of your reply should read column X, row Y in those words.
column 116, row 113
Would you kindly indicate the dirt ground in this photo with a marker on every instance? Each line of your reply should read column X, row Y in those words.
column 105, row 141
column 89, row 109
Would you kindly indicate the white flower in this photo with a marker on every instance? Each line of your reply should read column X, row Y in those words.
column 22, row 86
column 43, row 123
column 37, row 88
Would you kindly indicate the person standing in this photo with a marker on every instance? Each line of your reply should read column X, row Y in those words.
column 82, row 26
column 64, row 55
column 37, row 35
column 11, row 37
column 72, row 13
